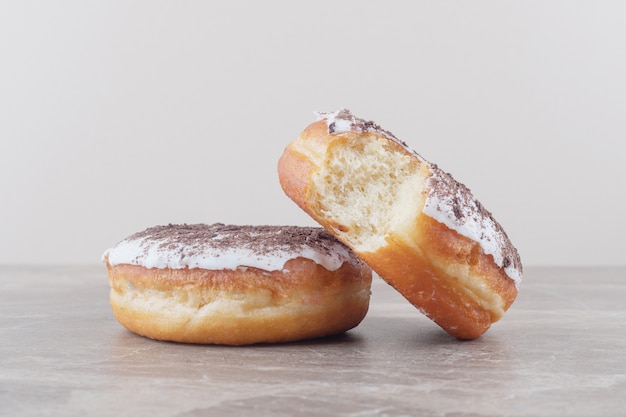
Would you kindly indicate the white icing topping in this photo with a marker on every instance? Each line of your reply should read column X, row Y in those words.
column 335, row 122
column 466, row 219
column 156, row 252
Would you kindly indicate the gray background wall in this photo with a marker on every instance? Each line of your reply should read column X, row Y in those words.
column 116, row 116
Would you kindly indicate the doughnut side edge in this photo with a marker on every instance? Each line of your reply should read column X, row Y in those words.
column 302, row 301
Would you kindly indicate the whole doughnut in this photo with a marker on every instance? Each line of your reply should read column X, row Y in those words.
column 412, row 223
column 236, row 285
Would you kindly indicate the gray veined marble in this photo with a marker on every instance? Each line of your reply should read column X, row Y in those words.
column 560, row 350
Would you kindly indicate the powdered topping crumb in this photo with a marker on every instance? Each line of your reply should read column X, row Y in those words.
column 221, row 246
column 343, row 120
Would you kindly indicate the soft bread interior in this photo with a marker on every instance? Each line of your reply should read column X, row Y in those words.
column 368, row 189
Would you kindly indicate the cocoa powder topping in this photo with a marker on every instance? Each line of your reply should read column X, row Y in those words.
column 193, row 239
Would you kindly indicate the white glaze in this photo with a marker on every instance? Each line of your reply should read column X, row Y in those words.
column 149, row 253
column 480, row 229
column 341, row 125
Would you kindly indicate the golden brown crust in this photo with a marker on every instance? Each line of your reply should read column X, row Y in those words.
column 239, row 307
column 444, row 274
column 419, row 271
column 294, row 185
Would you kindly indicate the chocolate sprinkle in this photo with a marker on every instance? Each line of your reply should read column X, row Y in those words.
column 465, row 207
column 359, row 125
column 192, row 239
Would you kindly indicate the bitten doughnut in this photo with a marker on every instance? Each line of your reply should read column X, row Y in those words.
column 236, row 285
column 412, row 223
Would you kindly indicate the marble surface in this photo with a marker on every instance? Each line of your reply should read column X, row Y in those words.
column 560, row 350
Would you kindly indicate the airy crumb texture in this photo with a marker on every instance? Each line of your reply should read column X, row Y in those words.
column 367, row 190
